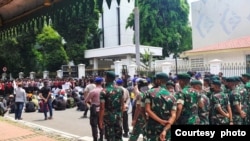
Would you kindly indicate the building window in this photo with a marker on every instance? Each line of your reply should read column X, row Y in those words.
column 197, row 64
column 119, row 25
column 247, row 63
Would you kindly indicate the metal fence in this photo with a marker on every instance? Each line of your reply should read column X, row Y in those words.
column 228, row 69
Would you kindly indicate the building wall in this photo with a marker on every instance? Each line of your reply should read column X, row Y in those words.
column 110, row 17
column 215, row 21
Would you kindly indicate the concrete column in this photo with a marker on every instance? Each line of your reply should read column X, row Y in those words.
column 215, row 66
column 166, row 67
column 45, row 74
column 81, row 70
column 118, row 68
column 95, row 65
column 132, row 70
column 129, row 60
column 32, row 75
column 59, row 73
column 20, row 75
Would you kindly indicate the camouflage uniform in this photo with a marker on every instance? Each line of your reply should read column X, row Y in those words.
column 204, row 112
column 139, row 127
column 189, row 98
column 244, row 100
column 113, row 99
column 162, row 103
column 219, row 99
column 247, row 98
column 235, row 99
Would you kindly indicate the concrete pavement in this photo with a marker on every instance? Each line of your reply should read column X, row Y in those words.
column 68, row 124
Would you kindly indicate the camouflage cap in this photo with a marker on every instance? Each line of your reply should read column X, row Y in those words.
column 195, row 82
column 110, row 74
column 183, row 76
column 161, row 75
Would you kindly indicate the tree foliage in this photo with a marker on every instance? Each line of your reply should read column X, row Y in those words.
column 51, row 49
column 164, row 23
column 10, row 56
column 78, row 31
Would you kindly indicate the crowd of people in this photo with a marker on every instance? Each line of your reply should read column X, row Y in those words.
column 157, row 103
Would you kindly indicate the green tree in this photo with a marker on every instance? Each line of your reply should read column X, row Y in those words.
column 26, row 42
column 10, row 56
column 80, row 32
column 54, row 55
column 164, row 23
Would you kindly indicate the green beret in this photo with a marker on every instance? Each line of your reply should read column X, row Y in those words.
column 161, row 75
column 170, row 83
column 237, row 79
column 230, row 79
column 216, row 82
column 110, row 74
column 207, row 79
column 215, row 77
column 195, row 82
column 183, row 76
column 247, row 86
column 223, row 78
column 246, row 75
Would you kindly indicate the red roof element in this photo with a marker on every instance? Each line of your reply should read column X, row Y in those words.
column 242, row 42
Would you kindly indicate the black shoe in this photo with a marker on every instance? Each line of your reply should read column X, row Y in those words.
column 125, row 135
column 84, row 116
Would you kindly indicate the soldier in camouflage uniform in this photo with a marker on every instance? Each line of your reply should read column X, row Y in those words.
column 187, row 102
column 203, row 102
column 139, row 120
column 161, row 109
column 246, row 98
column 221, row 112
column 111, row 108
column 171, row 87
column 235, row 102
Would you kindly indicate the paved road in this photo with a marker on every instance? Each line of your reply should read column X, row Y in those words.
column 68, row 123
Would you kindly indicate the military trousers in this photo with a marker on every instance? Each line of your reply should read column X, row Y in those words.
column 113, row 127
column 95, row 126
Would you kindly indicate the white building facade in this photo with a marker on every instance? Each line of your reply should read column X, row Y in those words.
column 220, row 32
column 117, row 47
